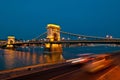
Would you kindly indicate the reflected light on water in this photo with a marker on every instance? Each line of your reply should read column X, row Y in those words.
column 9, row 58
column 53, row 57
column 13, row 59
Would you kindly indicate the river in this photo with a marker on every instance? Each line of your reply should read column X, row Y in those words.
column 10, row 59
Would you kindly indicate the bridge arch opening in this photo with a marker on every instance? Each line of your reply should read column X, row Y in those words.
column 11, row 41
column 55, row 36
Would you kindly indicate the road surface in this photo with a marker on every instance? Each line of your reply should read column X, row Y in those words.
column 70, row 72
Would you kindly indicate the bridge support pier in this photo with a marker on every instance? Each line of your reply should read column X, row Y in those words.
column 53, row 34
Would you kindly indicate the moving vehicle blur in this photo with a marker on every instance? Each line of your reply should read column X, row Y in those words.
column 99, row 62
column 83, row 58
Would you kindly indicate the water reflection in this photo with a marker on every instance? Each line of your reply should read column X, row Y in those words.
column 54, row 54
column 53, row 57
column 13, row 59
column 9, row 58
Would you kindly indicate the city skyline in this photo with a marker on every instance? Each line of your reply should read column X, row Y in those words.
column 27, row 19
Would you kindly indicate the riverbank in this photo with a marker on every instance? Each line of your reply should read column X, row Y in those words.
column 17, row 72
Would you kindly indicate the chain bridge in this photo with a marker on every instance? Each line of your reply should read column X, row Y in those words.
column 54, row 35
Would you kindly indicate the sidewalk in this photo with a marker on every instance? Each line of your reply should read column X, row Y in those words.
column 113, row 74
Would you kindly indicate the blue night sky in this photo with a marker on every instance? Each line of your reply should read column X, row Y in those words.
column 26, row 19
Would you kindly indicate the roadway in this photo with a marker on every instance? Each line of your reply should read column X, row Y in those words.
column 105, row 41
column 69, row 72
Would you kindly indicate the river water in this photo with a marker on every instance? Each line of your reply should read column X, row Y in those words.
column 10, row 59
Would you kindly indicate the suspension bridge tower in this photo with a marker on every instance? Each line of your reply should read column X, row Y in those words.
column 53, row 34
column 11, row 40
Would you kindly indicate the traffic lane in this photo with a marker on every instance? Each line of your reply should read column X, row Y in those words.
column 81, row 74
column 48, row 74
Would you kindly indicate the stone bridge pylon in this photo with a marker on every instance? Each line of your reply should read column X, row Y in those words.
column 10, row 41
column 53, row 34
